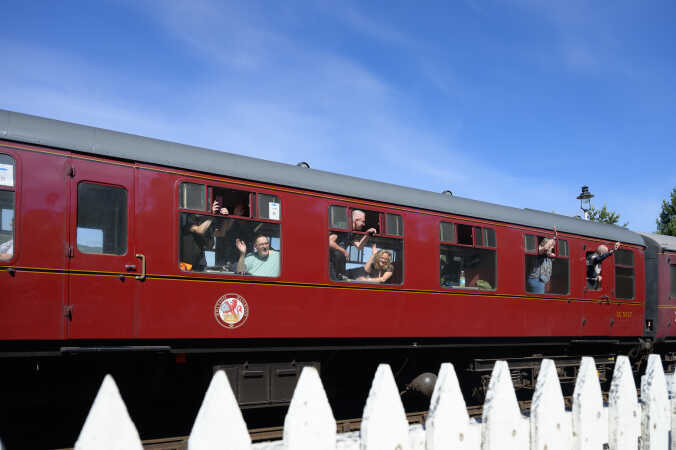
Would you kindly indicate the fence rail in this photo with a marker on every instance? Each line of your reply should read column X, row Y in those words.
column 625, row 423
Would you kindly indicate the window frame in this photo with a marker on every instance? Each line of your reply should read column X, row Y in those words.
column 15, row 189
column 210, row 185
column 538, row 237
column 474, row 228
column 632, row 267
column 672, row 267
column 382, row 222
column 76, row 247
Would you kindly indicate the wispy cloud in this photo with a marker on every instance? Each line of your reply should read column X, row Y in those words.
column 370, row 26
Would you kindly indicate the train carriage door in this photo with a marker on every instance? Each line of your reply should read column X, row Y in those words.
column 103, row 264
column 598, row 310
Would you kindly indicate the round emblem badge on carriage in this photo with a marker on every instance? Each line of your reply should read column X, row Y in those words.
column 231, row 311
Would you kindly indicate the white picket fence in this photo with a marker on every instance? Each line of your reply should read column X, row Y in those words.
column 625, row 423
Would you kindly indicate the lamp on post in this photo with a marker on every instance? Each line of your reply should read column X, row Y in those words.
column 585, row 201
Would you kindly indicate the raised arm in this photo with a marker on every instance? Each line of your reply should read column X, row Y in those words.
column 203, row 227
column 334, row 245
column 369, row 263
column 241, row 247
column 362, row 241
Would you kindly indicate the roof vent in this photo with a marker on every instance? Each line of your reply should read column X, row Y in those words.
column 303, row 164
column 447, row 192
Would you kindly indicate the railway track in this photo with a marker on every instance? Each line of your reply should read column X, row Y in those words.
column 275, row 433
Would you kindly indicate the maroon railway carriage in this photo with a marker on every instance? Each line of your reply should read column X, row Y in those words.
column 108, row 261
column 661, row 283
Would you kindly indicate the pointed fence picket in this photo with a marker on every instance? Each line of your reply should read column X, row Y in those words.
column 588, row 425
column 624, row 414
column 503, row 425
column 309, row 424
column 448, row 424
column 108, row 424
column 656, row 417
column 549, row 422
column 219, row 416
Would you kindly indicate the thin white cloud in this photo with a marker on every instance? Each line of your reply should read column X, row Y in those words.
column 371, row 26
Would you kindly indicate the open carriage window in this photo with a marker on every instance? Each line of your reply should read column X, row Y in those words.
column 467, row 256
column 7, row 208
column 237, row 232
column 365, row 246
column 547, row 265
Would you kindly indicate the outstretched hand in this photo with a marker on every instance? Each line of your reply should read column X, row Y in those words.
column 241, row 246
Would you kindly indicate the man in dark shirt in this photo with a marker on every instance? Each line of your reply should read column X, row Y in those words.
column 594, row 265
column 196, row 236
column 227, row 231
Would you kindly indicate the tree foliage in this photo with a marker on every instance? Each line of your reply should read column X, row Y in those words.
column 666, row 222
column 604, row 215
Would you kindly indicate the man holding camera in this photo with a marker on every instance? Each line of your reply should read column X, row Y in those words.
column 340, row 242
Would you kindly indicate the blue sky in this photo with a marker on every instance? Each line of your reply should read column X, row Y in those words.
column 518, row 102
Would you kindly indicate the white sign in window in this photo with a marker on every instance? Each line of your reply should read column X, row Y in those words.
column 273, row 211
column 6, row 175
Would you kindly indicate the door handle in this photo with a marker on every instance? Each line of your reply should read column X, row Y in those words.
column 143, row 267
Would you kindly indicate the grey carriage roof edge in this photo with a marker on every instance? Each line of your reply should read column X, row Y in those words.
column 664, row 241
column 55, row 133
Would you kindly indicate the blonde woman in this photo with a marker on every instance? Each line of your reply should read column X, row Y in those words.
column 378, row 268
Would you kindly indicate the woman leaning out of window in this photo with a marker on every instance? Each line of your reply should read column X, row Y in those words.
column 542, row 269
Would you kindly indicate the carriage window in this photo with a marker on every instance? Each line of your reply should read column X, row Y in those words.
column 193, row 196
column 393, row 224
column 101, row 219
column 446, row 232
column 530, row 243
column 489, row 237
column 365, row 246
column 563, row 247
column 546, row 275
column 468, row 266
column 268, row 207
column 464, row 234
column 238, row 233
column 624, row 274
column 338, row 217
column 7, row 202
column 673, row 281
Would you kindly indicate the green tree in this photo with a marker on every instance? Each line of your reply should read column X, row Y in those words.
column 666, row 222
column 604, row 215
